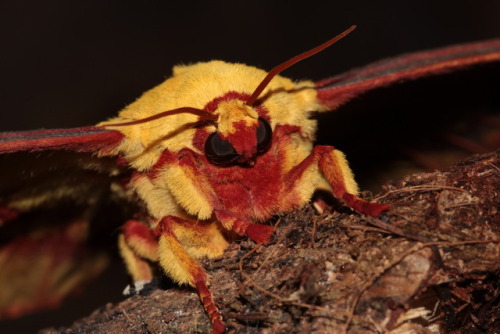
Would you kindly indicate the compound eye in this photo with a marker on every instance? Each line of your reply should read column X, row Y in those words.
column 264, row 136
column 219, row 151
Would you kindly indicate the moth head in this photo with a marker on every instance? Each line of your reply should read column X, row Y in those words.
column 240, row 137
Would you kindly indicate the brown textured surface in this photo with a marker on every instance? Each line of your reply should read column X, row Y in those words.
column 430, row 264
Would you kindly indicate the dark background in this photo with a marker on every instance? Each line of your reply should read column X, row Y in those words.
column 69, row 64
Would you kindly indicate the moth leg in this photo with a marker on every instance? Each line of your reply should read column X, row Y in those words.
column 333, row 165
column 136, row 244
column 174, row 233
column 257, row 232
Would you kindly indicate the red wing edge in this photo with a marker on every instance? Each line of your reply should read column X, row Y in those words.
column 339, row 89
column 85, row 139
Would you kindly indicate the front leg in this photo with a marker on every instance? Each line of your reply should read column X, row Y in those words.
column 333, row 166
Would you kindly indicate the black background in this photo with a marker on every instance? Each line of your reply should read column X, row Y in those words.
column 68, row 63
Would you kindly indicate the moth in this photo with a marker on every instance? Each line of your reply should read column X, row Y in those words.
column 204, row 158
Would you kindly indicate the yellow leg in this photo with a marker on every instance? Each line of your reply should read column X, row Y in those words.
column 138, row 268
column 333, row 165
column 181, row 266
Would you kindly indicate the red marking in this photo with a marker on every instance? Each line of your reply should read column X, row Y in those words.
column 164, row 226
column 244, row 140
column 199, row 139
column 210, row 308
column 232, row 95
column 297, row 171
column 284, row 130
column 229, row 96
column 166, row 158
column 240, row 226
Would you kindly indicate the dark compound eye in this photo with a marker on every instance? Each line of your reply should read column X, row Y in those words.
column 264, row 136
column 219, row 151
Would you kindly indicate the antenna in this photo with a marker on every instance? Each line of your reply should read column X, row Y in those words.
column 205, row 115
column 281, row 67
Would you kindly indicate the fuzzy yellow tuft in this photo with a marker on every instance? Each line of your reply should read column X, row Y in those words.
column 233, row 111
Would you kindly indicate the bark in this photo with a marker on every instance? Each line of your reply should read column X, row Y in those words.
column 430, row 264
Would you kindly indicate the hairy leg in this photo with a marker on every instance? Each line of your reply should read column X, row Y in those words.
column 173, row 233
column 333, row 166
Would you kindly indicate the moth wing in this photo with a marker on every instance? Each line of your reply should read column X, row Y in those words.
column 54, row 192
column 85, row 139
column 339, row 89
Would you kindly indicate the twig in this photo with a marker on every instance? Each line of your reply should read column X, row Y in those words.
column 416, row 189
